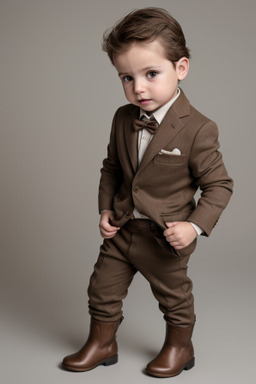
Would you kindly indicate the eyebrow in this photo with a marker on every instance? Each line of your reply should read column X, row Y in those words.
column 122, row 73
column 152, row 67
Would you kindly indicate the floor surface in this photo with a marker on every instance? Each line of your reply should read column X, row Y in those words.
column 33, row 344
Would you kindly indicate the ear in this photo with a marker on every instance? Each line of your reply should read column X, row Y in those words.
column 182, row 67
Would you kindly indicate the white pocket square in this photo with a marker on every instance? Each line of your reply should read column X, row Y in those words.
column 175, row 151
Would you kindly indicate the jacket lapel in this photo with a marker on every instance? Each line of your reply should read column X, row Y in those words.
column 168, row 129
column 131, row 137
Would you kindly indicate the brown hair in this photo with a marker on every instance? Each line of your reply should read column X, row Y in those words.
column 147, row 24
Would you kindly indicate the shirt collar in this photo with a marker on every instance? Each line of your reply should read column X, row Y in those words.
column 161, row 112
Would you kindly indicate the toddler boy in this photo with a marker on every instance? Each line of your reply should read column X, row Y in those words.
column 161, row 151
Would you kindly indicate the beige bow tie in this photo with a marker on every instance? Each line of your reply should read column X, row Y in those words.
column 150, row 124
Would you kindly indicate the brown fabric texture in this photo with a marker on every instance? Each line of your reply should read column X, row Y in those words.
column 163, row 186
column 141, row 246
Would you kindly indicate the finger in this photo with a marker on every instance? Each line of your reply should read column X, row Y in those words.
column 168, row 232
column 108, row 235
column 179, row 247
column 171, row 224
column 108, row 227
column 176, row 245
column 170, row 239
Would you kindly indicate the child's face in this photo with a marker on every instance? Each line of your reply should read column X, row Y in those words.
column 149, row 79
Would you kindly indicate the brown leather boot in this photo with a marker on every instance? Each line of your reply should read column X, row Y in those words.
column 100, row 348
column 176, row 354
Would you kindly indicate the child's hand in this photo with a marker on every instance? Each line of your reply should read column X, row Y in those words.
column 180, row 234
column 107, row 230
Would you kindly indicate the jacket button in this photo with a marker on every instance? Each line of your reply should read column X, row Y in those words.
column 127, row 214
column 136, row 189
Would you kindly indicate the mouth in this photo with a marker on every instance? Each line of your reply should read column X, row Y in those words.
column 144, row 101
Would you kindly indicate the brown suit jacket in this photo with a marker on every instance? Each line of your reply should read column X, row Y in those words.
column 163, row 186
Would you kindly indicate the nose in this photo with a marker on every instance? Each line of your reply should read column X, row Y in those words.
column 138, row 86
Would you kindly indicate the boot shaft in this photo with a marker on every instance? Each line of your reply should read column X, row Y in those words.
column 103, row 333
column 178, row 336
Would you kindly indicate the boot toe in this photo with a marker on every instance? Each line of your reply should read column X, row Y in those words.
column 158, row 371
column 161, row 370
column 70, row 363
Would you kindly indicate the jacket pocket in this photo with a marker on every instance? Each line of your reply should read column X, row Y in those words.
column 162, row 158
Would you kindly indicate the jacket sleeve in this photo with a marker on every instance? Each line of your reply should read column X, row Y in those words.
column 211, row 177
column 111, row 172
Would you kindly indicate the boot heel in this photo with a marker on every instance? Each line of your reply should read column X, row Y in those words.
column 111, row 360
column 190, row 364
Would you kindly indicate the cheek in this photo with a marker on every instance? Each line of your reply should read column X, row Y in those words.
column 127, row 92
column 160, row 90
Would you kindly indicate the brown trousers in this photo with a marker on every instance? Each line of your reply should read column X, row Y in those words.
column 141, row 246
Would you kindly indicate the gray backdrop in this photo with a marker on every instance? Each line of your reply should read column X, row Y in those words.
column 58, row 95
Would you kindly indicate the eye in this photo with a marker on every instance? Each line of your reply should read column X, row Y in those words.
column 152, row 74
column 127, row 79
